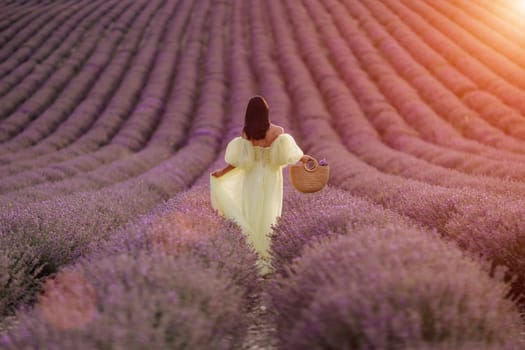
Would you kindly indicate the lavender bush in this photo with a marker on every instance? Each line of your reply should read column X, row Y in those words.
column 187, row 226
column 143, row 302
column 64, row 231
column 331, row 212
column 20, row 269
column 391, row 288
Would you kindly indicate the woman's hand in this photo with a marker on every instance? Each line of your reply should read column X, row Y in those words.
column 217, row 173
column 306, row 158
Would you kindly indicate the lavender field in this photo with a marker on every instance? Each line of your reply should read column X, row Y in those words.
column 113, row 114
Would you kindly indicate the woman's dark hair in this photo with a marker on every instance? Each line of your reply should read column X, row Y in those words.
column 256, row 119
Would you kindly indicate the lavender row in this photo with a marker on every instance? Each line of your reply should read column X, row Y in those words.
column 15, row 16
column 493, row 110
column 57, row 232
column 30, row 46
column 148, row 112
column 448, row 210
column 187, row 224
column 132, row 190
column 241, row 86
column 374, row 154
column 62, row 229
column 54, row 47
column 332, row 248
column 14, row 10
column 479, row 101
column 506, row 11
column 387, row 121
column 243, row 82
column 217, row 246
column 479, row 74
column 40, row 115
column 17, row 34
column 34, row 94
column 179, row 104
column 494, row 18
column 487, row 39
column 87, row 112
column 180, row 268
column 458, row 214
column 474, row 219
column 441, row 98
column 493, row 38
column 84, row 178
column 354, row 179
column 419, row 118
column 368, row 148
column 147, row 302
column 455, row 85
column 392, row 287
column 91, row 56
column 101, row 113
column 110, row 68
column 53, row 50
column 302, row 97
column 10, row 13
column 267, row 72
column 311, row 218
column 452, row 24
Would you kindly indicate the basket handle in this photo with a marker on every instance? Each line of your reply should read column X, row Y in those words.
column 312, row 169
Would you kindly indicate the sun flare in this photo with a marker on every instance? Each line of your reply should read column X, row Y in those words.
column 520, row 6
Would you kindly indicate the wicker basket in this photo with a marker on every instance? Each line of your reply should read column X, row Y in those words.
column 309, row 179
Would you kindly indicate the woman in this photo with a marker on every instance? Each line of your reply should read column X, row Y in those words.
column 249, row 190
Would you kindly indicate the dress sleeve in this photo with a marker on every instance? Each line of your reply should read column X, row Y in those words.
column 285, row 151
column 239, row 153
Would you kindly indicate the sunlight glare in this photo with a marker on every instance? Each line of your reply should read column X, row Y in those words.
column 520, row 6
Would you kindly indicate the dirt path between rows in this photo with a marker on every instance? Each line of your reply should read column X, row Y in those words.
column 261, row 332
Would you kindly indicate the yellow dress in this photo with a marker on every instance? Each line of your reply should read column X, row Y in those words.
column 252, row 193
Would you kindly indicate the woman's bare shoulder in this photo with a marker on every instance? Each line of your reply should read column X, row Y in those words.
column 277, row 130
column 275, row 133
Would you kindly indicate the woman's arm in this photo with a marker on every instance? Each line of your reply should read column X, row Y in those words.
column 219, row 173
